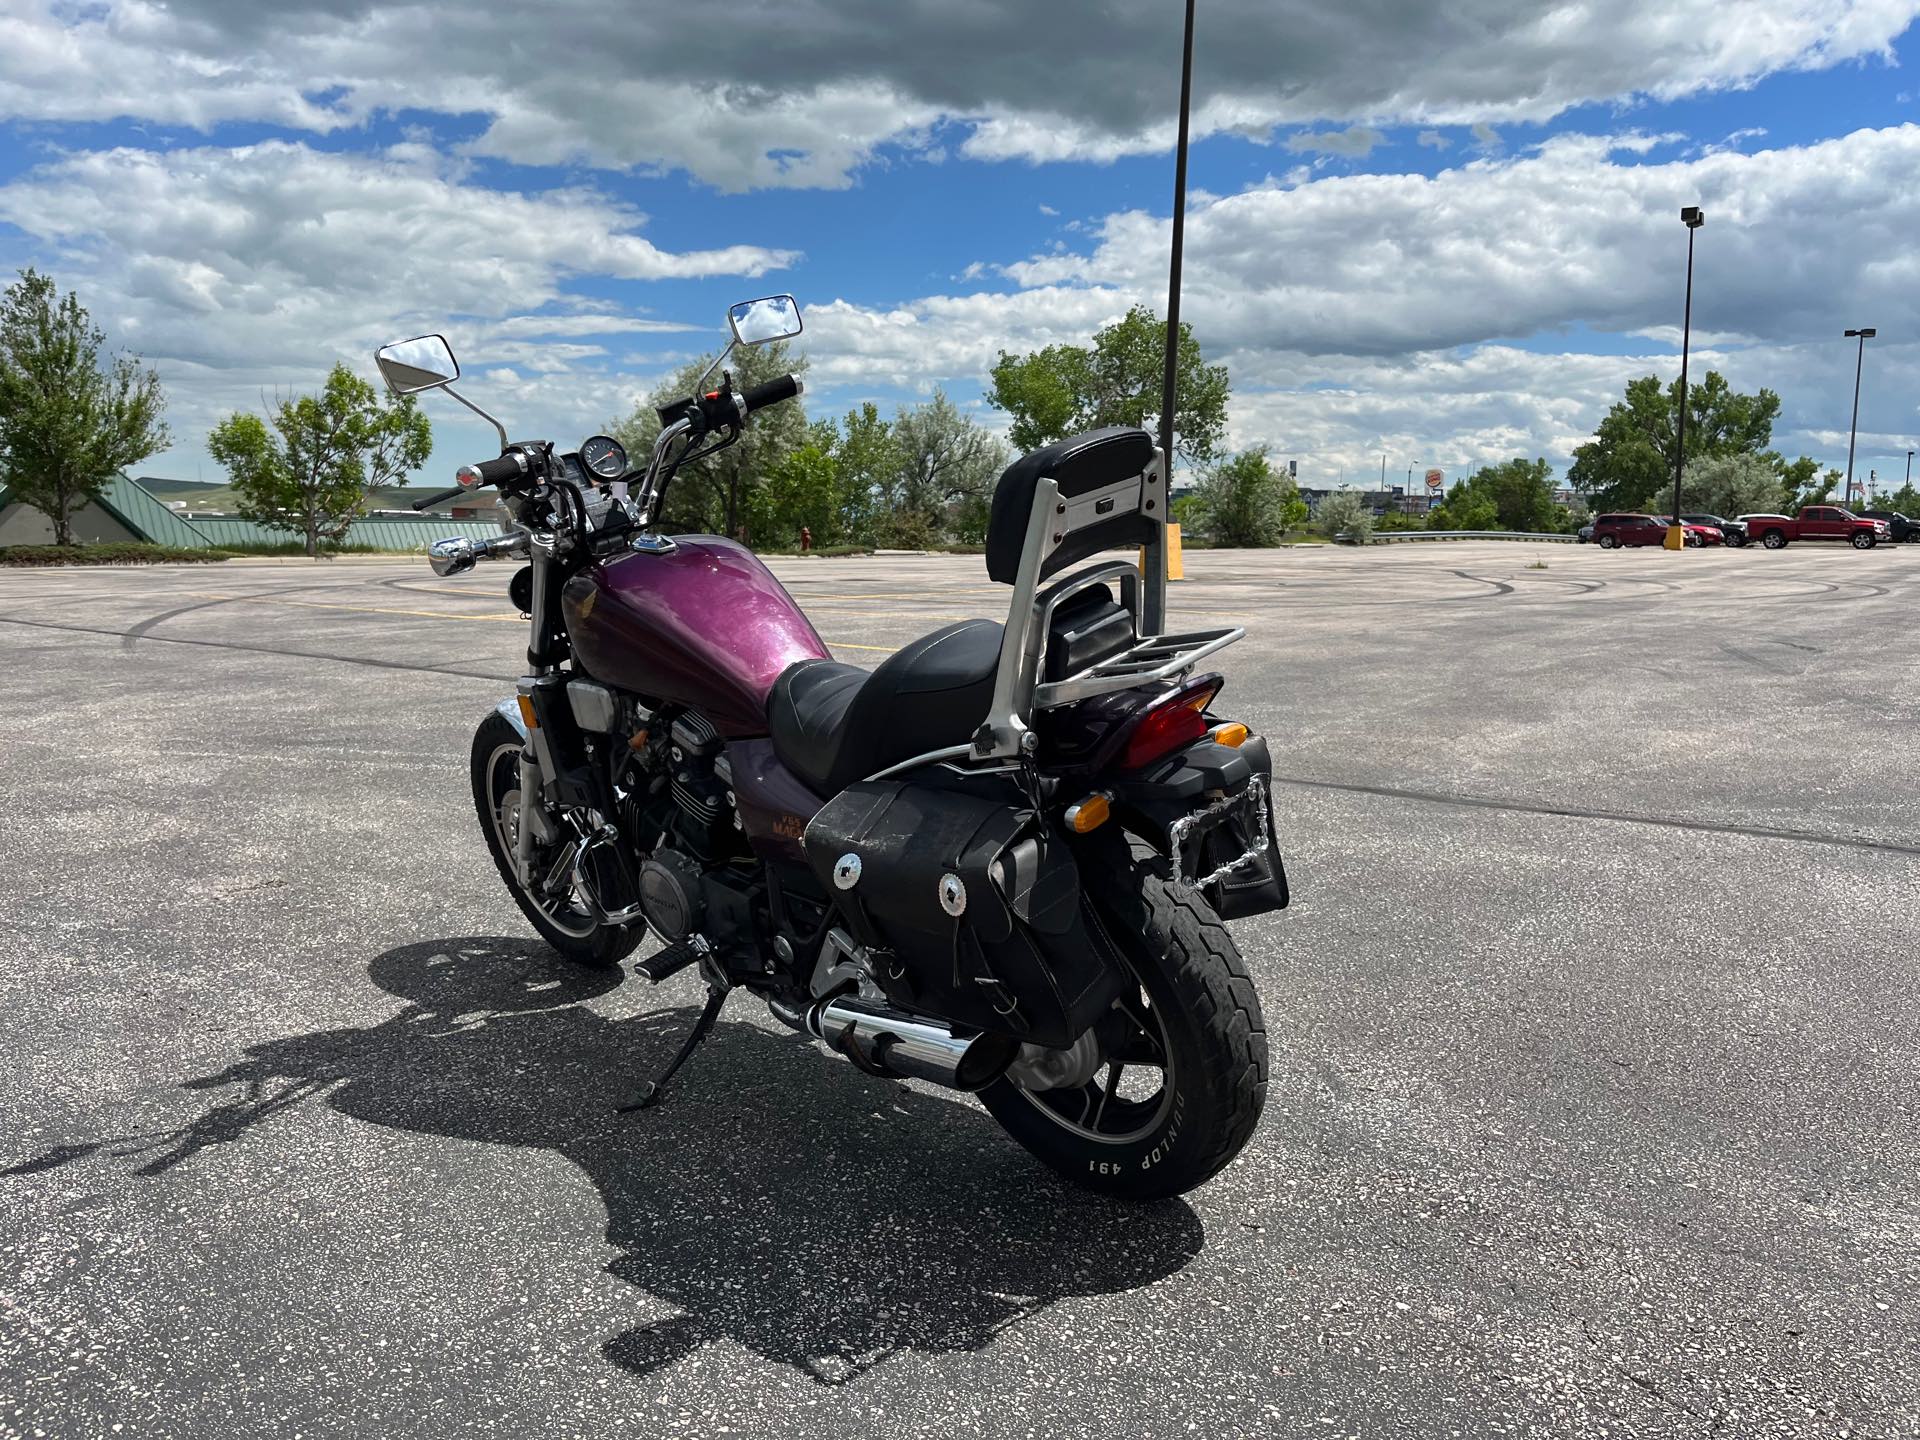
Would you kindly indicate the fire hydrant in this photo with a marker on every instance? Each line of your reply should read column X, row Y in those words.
column 806, row 539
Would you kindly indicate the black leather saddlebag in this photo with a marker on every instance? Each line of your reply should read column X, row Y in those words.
column 971, row 911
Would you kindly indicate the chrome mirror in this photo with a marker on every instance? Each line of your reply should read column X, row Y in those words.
column 755, row 322
column 423, row 363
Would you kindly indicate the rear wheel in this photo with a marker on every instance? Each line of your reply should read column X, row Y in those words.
column 1184, row 1073
column 1609, row 542
column 557, row 910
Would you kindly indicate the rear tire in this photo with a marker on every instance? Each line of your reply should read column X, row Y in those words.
column 1214, row 1045
column 1609, row 542
column 564, row 922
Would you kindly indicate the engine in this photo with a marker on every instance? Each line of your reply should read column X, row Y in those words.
column 694, row 869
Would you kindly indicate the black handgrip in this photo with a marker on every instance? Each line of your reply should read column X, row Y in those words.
column 508, row 467
column 444, row 495
column 771, row 393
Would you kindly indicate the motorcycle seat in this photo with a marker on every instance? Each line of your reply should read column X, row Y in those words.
column 834, row 724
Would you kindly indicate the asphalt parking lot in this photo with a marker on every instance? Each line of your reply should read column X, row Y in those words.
column 1595, row 1027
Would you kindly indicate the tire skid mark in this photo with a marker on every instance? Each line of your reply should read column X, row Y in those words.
column 1570, row 812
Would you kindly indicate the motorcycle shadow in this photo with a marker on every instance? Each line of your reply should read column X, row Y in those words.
column 779, row 1198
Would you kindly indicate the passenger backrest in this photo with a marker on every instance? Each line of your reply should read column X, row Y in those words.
column 1106, row 492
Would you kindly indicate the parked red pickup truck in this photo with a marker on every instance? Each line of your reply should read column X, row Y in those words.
column 1817, row 522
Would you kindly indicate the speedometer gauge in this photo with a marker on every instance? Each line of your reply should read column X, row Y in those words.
column 603, row 456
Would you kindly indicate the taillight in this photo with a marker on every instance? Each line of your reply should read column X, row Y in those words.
column 1170, row 725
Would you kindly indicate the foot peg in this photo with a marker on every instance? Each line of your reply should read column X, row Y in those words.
column 664, row 964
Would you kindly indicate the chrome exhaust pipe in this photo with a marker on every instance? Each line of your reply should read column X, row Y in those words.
column 883, row 1041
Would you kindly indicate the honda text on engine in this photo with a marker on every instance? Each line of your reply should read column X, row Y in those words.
column 1000, row 862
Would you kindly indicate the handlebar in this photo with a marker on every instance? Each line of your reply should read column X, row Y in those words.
column 771, row 393
column 444, row 495
column 472, row 477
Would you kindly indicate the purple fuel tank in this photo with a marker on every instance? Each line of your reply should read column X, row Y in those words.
column 704, row 625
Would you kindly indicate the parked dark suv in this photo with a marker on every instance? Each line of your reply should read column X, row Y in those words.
column 1732, row 531
column 1904, row 527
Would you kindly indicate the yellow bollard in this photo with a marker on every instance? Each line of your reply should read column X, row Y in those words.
column 1175, row 569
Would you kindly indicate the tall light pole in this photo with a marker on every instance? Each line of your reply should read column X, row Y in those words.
column 1154, row 618
column 1853, row 430
column 1909, row 469
column 1693, row 217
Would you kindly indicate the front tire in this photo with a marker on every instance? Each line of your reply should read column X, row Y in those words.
column 565, row 921
column 1192, row 1015
column 1863, row 541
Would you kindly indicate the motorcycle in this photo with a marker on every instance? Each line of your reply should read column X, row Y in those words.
column 1000, row 862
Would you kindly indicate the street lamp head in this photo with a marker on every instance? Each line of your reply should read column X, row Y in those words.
column 1692, row 216
column 1866, row 334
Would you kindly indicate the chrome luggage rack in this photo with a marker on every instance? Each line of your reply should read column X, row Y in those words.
column 1157, row 657
column 1018, row 691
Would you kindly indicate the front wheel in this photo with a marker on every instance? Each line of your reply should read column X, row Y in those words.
column 563, row 916
column 1862, row 540
column 1184, row 1069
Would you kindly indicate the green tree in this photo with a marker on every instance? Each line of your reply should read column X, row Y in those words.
column 1516, row 494
column 800, row 489
column 1466, row 507
column 867, row 461
column 1904, row 501
column 947, row 466
column 1632, row 454
column 714, row 494
column 311, row 471
column 1242, row 501
column 68, row 423
column 1345, row 516
column 1729, row 485
column 1118, row 380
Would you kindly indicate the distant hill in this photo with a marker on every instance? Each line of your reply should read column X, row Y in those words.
column 214, row 495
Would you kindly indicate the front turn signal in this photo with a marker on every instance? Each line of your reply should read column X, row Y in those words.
column 1088, row 814
column 526, row 712
column 1233, row 735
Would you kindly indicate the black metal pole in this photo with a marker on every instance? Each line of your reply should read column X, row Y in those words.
column 1686, row 342
column 1853, row 429
column 1179, row 239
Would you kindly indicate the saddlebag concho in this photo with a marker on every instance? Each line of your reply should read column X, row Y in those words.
column 970, row 910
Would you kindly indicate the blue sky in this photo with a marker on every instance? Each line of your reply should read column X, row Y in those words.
column 1444, row 263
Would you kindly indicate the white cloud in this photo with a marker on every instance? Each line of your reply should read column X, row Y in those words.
column 1362, row 313
column 1352, row 144
column 577, row 80
column 254, row 269
column 1434, row 140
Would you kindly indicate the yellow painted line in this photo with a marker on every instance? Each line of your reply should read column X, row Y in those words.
column 848, row 645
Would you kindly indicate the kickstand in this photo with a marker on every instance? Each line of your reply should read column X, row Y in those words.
column 654, row 1090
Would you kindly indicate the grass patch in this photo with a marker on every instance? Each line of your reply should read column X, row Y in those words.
column 120, row 552
column 825, row 551
column 1538, row 565
column 298, row 548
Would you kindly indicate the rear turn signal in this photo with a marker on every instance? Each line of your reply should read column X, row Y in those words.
column 1233, row 735
column 1089, row 814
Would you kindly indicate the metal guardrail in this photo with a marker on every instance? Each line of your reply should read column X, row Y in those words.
column 1394, row 537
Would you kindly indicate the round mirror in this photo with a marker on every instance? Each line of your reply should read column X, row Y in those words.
column 773, row 317
column 424, row 363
